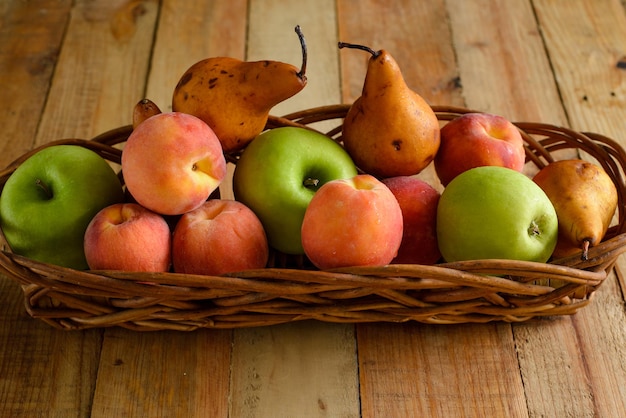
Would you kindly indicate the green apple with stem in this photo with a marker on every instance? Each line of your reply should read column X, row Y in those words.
column 495, row 212
column 49, row 200
column 278, row 174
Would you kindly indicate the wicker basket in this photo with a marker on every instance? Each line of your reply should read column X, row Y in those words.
column 291, row 290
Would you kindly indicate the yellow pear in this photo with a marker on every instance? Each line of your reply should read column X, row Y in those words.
column 390, row 130
column 585, row 200
column 234, row 97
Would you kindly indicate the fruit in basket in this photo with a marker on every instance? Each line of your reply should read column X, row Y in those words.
column 144, row 109
column 478, row 139
column 278, row 174
column 50, row 199
column 235, row 97
column 390, row 130
column 418, row 201
column 352, row 222
column 172, row 162
column 221, row 236
column 585, row 199
column 128, row 237
column 495, row 212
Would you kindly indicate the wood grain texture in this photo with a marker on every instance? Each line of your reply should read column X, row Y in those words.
column 42, row 372
column 456, row 371
column 502, row 62
column 101, row 70
column 169, row 374
column 31, row 36
column 301, row 369
column 586, row 41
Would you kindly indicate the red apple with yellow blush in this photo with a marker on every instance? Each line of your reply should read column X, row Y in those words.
column 475, row 140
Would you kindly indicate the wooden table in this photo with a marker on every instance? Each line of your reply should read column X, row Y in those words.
column 76, row 68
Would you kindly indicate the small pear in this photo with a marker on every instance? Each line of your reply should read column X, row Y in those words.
column 235, row 97
column 390, row 130
column 585, row 200
column 144, row 109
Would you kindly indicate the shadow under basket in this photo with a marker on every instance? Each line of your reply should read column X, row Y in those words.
column 289, row 289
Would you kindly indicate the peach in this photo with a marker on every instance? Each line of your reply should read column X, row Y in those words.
column 172, row 162
column 478, row 139
column 418, row 201
column 129, row 237
column 352, row 222
column 221, row 236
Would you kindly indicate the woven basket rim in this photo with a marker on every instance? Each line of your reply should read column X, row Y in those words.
column 471, row 291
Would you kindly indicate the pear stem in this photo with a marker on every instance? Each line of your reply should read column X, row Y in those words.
column 304, row 51
column 585, row 254
column 362, row 47
column 43, row 187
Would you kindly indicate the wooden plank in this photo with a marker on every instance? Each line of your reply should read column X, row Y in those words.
column 42, row 371
column 31, row 37
column 503, row 67
column 585, row 43
column 412, row 369
column 164, row 374
column 102, row 69
column 591, row 43
column 185, row 374
column 440, row 371
column 302, row 369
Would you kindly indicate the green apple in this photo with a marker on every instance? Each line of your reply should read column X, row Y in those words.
column 495, row 212
column 278, row 174
column 50, row 199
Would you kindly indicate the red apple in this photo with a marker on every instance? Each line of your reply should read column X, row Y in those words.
column 172, row 162
column 129, row 237
column 221, row 236
column 352, row 222
column 475, row 140
column 418, row 201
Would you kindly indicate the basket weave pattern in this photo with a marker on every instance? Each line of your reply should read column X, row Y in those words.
column 291, row 290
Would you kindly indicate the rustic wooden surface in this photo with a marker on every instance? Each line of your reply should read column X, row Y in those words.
column 76, row 68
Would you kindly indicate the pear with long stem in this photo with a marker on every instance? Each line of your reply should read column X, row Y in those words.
column 234, row 97
column 390, row 130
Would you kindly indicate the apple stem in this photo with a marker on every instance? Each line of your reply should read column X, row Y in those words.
column 304, row 51
column 585, row 254
column 45, row 188
column 534, row 229
column 362, row 47
column 310, row 182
